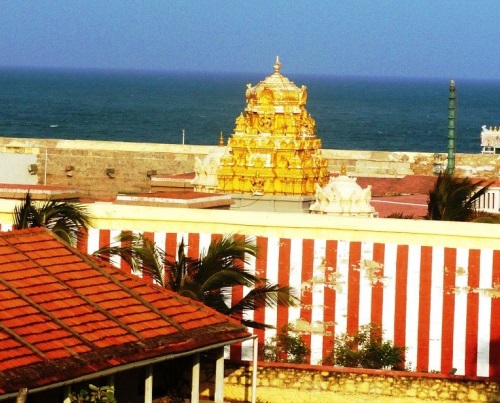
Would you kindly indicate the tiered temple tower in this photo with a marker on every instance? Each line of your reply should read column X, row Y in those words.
column 274, row 149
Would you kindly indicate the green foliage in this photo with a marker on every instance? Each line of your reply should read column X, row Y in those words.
column 367, row 349
column 63, row 218
column 95, row 394
column 453, row 198
column 285, row 347
column 401, row 216
column 209, row 278
column 487, row 219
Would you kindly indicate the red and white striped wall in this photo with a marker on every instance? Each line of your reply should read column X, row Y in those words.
column 437, row 301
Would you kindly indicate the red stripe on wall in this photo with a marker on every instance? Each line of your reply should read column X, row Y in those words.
column 146, row 275
column 124, row 265
column 216, row 237
column 260, row 269
column 424, row 311
column 82, row 243
column 306, row 295
column 495, row 314
column 472, row 313
column 236, row 296
column 329, row 308
column 400, row 300
column 353, row 287
column 450, row 264
column 193, row 243
column 378, row 288
column 283, row 278
column 171, row 247
column 104, row 238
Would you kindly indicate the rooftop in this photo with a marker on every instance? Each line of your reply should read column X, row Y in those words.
column 64, row 314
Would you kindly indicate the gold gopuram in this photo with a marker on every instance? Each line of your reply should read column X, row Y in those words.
column 274, row 149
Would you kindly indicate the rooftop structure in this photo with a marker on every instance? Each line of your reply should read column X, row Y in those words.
column 65, row 317
column 490, row 140
column 274, row 149
column 342, row 196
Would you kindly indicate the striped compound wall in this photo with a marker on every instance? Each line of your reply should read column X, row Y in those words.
column 437, row 301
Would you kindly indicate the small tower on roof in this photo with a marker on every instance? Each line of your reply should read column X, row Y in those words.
column 451, row 129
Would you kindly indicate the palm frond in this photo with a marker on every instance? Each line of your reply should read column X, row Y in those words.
column 256, row 325
column 140, row 253
column 177, row 270
column 266, row 295
column 401, row 216
column 227, row 278
column 229, row 252
column 453, row 198
column 64, row 218
column 209, row 279
column 23, row 213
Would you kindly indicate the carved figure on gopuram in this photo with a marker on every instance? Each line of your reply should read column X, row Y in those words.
column 274, row 148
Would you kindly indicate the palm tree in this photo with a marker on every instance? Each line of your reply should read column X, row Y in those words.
column 453, row 198
column 209, row 278
column 64, row 218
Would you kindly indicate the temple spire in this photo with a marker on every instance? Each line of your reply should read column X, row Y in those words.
column 277, row 65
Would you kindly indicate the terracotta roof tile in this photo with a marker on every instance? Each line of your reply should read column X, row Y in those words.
column 61, row 311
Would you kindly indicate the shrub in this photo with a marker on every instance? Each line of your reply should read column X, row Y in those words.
column 285, row 347
column 367, row 349
column 103, row 394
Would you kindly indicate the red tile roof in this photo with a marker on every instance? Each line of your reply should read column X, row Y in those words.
column 64, row 314
column 410, row 184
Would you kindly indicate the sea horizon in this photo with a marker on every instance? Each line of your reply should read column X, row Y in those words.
column 351, row 112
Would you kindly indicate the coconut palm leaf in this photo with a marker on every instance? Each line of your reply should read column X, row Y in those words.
column 401, row 216
column 63, row 218
column 23, row 213
column 140, row 253
column 453, row 198
column 209, row 279
column 229, row 252
column 228, row 278
column 265, row 295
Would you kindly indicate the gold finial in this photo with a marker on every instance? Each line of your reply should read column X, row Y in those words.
column 277, row 65
column 343, row 170
column 221, row 140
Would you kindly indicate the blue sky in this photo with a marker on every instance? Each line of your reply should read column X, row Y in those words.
column 393, row 38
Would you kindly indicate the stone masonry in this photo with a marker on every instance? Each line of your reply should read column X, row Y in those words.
column 289, row 383
column 104, row 169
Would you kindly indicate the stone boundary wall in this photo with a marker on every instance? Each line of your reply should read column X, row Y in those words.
column 289, row 383
column 83, row 164
column 101, row 168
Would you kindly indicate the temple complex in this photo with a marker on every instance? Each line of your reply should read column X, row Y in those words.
column 274, row 149
column 273, row 161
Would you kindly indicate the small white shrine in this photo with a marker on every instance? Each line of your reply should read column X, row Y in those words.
column 205, row 170
column 342, row 196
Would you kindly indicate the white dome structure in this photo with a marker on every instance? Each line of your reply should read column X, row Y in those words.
column 342, row 196
column 205, row 170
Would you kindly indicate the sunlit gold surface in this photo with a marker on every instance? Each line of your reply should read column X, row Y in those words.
column 274, row 148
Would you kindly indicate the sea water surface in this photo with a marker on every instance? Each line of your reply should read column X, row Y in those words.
column 155, row 107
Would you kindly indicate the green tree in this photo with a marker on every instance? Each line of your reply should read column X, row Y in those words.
column 66, row 219
column 209, row 278
column 286, row 346
column 454, row 199
column 366, row 349
column 103, row 394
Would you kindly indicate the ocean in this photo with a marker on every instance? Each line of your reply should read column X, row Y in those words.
column 156, row 107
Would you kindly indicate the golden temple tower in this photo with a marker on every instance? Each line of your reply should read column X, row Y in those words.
column 274, row 149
